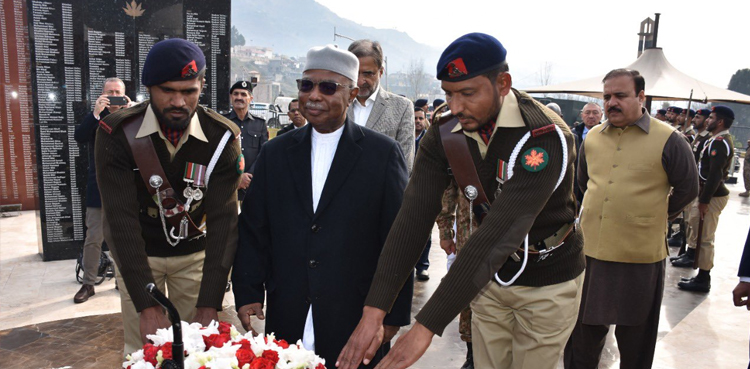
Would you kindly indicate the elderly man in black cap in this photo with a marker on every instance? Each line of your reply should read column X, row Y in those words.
column 254, row 129
column 317, row 214
column 525, row 256
column 153, row 163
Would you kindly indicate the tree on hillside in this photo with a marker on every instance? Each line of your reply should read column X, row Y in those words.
column 415, row 77
column 237, row 38
column 740, row 82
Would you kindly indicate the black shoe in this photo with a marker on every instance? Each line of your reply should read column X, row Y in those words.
column 676, row 240
column 673, row 258
column 685, row 279
column 683, row 262
column 469, row 363
column 696, row 285
column 84, row 293
column 422, row 275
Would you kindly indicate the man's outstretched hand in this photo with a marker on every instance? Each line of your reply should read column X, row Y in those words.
column 246, row 311
column 408, row 348
column 365, row 341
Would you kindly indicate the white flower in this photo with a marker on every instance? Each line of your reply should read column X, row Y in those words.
column 294, row 357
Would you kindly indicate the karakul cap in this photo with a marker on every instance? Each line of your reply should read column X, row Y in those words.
column 333, row 59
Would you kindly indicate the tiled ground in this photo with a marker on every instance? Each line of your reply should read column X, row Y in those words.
column 40, row 327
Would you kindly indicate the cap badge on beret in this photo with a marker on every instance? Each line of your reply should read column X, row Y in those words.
column 457, row 68
column 244, row 84
column 189, row 70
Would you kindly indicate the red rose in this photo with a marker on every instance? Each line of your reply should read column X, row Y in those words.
column 216, row 340
column 166, row 350
column 244, row 357
column 271, row 356
column 320, row 366
column 282, row 343
column 261, row 363
column 149, row 353
column 224, row 327
column 244, row 344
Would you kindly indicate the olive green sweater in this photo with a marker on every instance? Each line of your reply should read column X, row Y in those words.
column 528, row 204
column 135, row 229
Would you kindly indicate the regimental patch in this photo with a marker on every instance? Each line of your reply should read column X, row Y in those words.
column 457, row 68
column 713, row 152
column 241, row 164
column 543, row 130
column 105, row 126
column 190, row 70
column 535, row 159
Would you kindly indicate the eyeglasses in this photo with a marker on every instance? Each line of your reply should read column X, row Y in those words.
column 325, row 87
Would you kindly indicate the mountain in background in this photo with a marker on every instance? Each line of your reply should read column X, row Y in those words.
column 293, row 27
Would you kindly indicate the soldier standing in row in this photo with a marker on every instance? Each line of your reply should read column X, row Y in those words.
column 713, row 169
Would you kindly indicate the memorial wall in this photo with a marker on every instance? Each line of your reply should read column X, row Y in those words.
column 18, row 162
column 74, row 46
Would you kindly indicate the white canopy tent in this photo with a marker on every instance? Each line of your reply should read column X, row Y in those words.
column 663, row 82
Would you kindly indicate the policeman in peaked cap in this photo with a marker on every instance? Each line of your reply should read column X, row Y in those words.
column 253, row 127
column 545, row 284
column 153, row 170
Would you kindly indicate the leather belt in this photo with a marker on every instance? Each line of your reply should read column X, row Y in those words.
column 462, row 165
column 542, row 249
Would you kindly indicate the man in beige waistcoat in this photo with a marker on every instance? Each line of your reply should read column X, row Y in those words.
column 627, row 168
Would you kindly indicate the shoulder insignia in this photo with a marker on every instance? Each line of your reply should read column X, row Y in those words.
column 535, row 159
column 105, row 126
column 241, row 164
column 713, row 152
column 719, row 138
column 543, row 130
column 257, row 117
column 221, row 120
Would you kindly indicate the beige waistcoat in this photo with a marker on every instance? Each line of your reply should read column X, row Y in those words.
column 624, row 216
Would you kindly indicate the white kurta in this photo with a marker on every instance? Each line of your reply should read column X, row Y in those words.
column 323, row 150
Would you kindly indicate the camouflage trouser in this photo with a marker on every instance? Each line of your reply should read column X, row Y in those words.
column 464, row 319
column 455, row 203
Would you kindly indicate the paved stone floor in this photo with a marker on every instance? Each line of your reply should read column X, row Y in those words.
column 41, row 327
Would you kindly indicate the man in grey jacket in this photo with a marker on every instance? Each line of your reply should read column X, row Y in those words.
column 376, row 108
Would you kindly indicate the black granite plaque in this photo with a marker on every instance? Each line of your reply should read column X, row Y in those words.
column 75, row 46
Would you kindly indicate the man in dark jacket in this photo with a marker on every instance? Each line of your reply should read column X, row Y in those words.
column 254, row 129
column 85, row 134
column 316, row 218
column 295, row 117
column 591, row 114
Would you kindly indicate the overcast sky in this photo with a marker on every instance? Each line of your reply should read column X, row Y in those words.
column 579, row 38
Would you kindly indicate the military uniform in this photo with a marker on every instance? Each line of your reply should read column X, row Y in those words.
column 699, row 142
column 136, row 234
column 714, row 165
column 254, row 134
column 456, row 208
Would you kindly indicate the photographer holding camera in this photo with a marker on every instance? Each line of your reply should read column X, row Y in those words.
column 112, row 99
